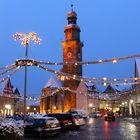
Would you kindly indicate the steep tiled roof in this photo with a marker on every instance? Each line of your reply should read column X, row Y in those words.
column 110, row 89
column 91, row 87
column 2, row 86
column 8, row 89
column 16, row 92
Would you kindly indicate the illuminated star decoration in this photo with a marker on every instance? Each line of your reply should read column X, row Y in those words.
column 25, row 39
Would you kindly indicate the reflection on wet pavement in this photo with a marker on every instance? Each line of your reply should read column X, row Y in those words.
column 98, row 129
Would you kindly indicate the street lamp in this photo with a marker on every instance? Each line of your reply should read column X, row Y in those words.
column 90, row 105
column 25, row 40
column 8, row 106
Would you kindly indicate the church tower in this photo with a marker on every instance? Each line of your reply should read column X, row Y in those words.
column 72, row 52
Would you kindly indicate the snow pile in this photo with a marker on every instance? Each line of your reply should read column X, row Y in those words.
column 10, row 129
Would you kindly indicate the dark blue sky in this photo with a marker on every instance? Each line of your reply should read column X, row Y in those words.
column 109, row 28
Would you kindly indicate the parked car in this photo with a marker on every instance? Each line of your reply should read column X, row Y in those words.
column 80, row 112
column 77, row 121
column 109, row 116
column 96, row 114
column 65, row 120
column 17, row 120
column 42, row 126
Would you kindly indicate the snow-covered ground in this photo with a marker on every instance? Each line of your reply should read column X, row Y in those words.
column 11, row 128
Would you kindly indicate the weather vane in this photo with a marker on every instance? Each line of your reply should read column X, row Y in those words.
column 71, row 5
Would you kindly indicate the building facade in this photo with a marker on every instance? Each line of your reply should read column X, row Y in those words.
column 52, row 99
column 9, row 99
column 87, row 97
column 112, row 102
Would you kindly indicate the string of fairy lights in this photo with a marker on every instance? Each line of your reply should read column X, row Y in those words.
column 104, row 80
column 66, row 76
column 11, row 74
column 112, row 60
column 95, row 95
column 7, row 71
column 8, row 66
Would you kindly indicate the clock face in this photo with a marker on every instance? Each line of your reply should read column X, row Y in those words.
column 69, row 54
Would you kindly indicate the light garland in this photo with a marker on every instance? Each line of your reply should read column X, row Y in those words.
column 113, row 60
column 99, row 96
column 11, row 74
column 7, row 71
column 8, row 66
column 105, row 81
column 25, row 62
column 20, row 97
column 25, row 38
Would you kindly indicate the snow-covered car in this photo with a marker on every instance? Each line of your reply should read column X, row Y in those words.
column 65, row 120
column 42, row 126
column 80, row 112
column 18, row 121
column 77, row 121
column 11, row 127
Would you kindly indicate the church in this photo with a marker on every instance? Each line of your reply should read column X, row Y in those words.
column 10, row 99
column 54, row 100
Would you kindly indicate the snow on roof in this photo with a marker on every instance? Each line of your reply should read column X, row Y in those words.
column 138, row 66
column 91, row 87
column 53, row 82
column 32, row 103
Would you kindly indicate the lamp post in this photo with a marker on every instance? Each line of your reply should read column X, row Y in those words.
column 25, row 40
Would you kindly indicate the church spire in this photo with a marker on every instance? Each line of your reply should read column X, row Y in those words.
column 72, row 16
column 72, row 7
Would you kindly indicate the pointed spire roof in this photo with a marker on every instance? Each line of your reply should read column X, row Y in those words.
column 16, row 92
column 110, row 89
column 72, row 16
column 53, row 82
column 2, row 86
column 8, row 89
column 72, row 13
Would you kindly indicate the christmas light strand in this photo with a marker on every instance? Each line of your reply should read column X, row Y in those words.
column 113, row 60
column 8, row 66
column 7, row 71
column 11, row 74
column 25, row 38
column 101, row 96
column 31, row 98
column 105, row 81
